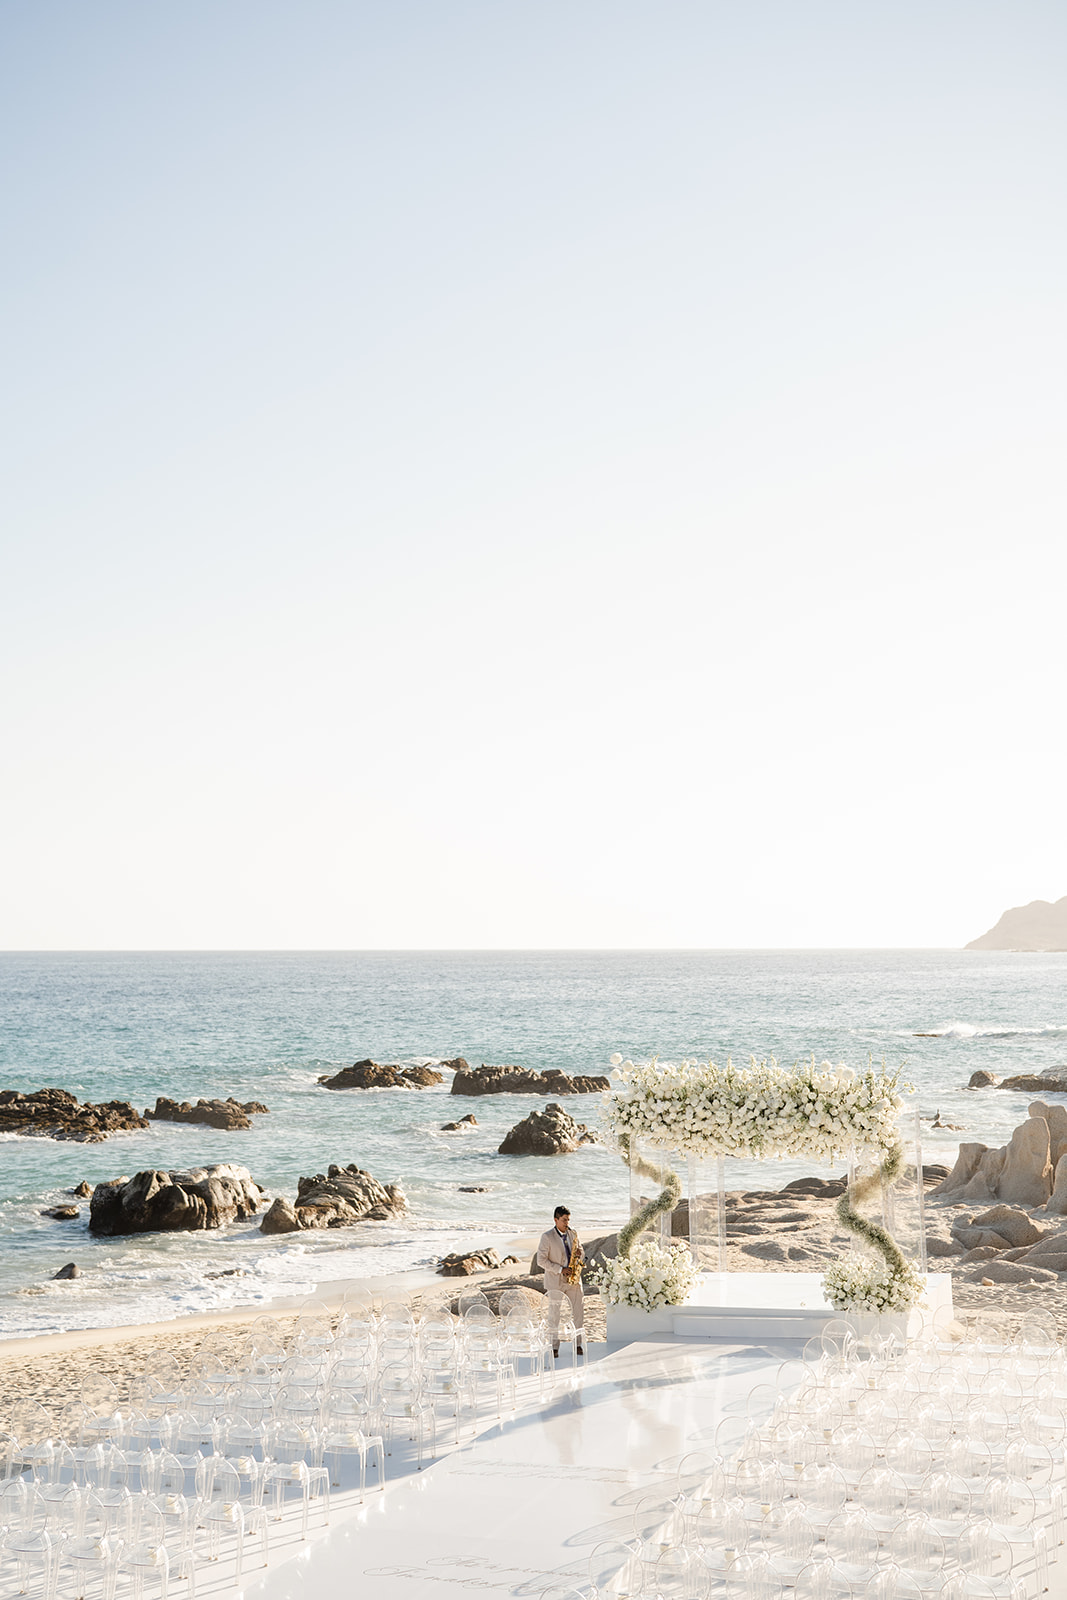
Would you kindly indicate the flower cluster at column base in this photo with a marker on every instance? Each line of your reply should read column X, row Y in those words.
column 868, row 1286
column 651, row 1275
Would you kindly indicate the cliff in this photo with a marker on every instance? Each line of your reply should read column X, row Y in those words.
column 1041, row 925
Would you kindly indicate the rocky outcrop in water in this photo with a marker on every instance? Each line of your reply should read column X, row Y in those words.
column 165, row 1202
column 469, row 1121
column 56, row 1114
column 62, row 1213
column 370, row 1075
column 336, row 1199
column 227, row 1114
column 71, row 1270
column 551, row 1132
column 519, row 1080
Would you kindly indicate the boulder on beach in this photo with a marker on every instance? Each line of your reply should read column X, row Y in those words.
column 228, row 1114
column 159, row 1202
column 337, row 1199
column 520, row 1080
column 56, row 1114
column 1020, row 1172
column 370, row 1075
column 464, row 1263
column 551, row 1132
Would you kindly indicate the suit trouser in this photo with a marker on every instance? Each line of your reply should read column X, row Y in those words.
column 574, row 1294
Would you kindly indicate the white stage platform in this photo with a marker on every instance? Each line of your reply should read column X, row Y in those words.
column 756, row 1305
column 524, row 1505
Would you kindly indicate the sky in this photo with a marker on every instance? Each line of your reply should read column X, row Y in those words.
column 478, row 475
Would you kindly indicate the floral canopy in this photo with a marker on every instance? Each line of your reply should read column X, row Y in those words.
column 818, row 1112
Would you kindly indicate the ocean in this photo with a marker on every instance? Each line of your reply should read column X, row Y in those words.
column 264, row 1026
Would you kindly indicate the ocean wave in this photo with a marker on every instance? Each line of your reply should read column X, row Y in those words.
column 971, row 1030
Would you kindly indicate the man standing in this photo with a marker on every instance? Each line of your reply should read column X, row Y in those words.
column 554, row 1255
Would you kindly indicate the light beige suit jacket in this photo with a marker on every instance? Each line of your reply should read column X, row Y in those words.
column 552, row 1255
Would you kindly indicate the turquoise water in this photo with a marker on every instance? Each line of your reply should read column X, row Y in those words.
column 264, row 1026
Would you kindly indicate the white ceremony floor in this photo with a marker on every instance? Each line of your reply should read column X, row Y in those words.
column 523, row 1506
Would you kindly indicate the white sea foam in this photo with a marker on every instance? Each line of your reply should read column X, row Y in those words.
column 973, row 1030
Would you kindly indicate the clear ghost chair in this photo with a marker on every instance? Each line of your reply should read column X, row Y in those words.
column 911, row 1455
column 1012, row 1508
column 919, row 1549
column 225, row 1515
column 983, row 1552
column 822, row 1580
column 884, row 1495
column 57, row 1507
column 656, row 1530
column 93, row 1552
column 789, row 1538
column 615, row 1571
column 146, row 1559
column 1042, row 1471
column 719, row 1533
column 968, row 1586
column 348, row 1432
column 281, row 1478
column 853, row 1544
column 946, row 1499
column 35, row 1553
column 894, row 1583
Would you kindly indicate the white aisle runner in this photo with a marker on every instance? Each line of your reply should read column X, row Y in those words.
column 524, row 1505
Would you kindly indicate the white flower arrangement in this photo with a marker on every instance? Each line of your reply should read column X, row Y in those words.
column 865, row 1285
column 815, row 1111
column 651, row 1275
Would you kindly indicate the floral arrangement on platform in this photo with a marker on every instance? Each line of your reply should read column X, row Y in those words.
column 651, row 1275
column 864, row 1285
column 817, row 1112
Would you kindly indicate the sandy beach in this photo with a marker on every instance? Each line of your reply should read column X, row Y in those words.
column 767, row 1231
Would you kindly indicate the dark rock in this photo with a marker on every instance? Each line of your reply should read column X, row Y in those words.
column 518, row 1080
column 369, row 1075
column 457, row 1064
column 56, row 1114
column 981, row 1080
column 1051, row 1081
column 422, row 1077
column 344, row 1195
column 934, row 1172
column 155, row 1202
column 463, row 1263
column 83, row 1191
column 71, row 1270
column 468, row 1121
column 227, row 1114
column 473, row 1188
column 228, row 1272
column 551, row 1132
column 62, row 1213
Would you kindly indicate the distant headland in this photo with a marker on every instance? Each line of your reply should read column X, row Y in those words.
column 1042, row 925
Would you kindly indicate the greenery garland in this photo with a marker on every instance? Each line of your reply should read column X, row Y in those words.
column 666, row 1200
column 872, row 1233
column 853, row 1286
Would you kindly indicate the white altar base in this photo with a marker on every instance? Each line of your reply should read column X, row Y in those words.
column 761, row 1305
column 523, row 1505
